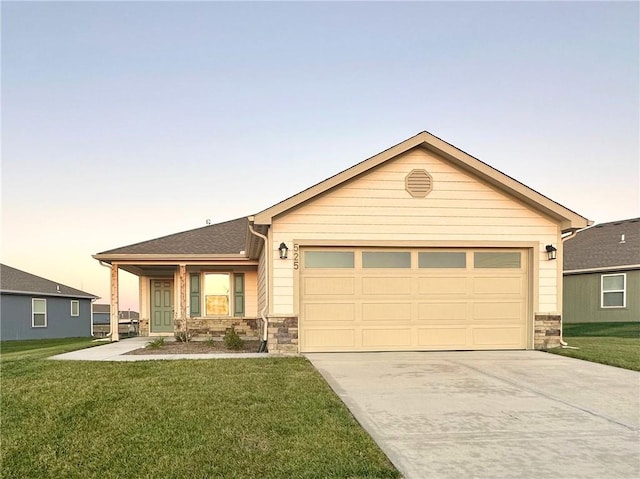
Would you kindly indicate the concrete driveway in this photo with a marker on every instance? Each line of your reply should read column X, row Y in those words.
column 502, row 414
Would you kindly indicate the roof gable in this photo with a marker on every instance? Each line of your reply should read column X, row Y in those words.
column 602, row 247
column 568, row 219
column 227, row 238
column 13, row 280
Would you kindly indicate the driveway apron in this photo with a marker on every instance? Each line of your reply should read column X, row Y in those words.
column 493, row 414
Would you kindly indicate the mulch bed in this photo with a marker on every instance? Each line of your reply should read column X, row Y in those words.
column 198, row 347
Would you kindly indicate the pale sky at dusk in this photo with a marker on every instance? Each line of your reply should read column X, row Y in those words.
column 125, row 121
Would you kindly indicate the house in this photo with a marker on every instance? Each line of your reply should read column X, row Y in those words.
column 32, row 307
column 101, row 314
column 602, row 273
column 420, row 247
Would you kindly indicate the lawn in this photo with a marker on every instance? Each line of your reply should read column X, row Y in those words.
column 615, row 344
column 228, row 418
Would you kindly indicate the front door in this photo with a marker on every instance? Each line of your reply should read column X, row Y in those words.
column 161, row 306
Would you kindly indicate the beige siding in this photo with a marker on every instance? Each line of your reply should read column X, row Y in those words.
column 376, row 207
column 261, row 285
column 251, row 293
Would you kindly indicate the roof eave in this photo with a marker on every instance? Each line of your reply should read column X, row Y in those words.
column 111, row 258
column 49, row 295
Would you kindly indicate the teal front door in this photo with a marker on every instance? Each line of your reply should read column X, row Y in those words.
column 161, row 306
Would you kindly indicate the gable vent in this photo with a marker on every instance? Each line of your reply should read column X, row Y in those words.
column 418, row 183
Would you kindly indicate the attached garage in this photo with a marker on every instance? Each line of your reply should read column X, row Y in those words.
column 368, row 299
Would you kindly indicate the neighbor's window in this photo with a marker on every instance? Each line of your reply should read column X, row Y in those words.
column 39, row 313
column 614, row 291
column 386, row 259
column 216, row 294
column 442, row 259
column 328, row 259
column 75, row 307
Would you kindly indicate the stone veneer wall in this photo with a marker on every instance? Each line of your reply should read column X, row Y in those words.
column 283, row 335
column 247, row 328
column 144, row 327
column 546, row 331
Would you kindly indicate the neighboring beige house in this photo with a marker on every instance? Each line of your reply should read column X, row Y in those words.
column 420, row 247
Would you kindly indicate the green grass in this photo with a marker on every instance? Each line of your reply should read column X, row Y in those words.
column 229, row 418
column 615, row 344
column 41, row 348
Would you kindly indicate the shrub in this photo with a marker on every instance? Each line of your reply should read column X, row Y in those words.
column 232, row 340
column 182, row 337
column 156, row 343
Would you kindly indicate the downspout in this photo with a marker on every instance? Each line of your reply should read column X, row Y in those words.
column 563, row 344
column 110, row 330
column 263, row 315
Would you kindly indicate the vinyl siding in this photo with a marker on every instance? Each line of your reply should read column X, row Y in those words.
column 262, row 289
column 15, row 318
column 581, row 303
column 376, row 207
column 251, row 294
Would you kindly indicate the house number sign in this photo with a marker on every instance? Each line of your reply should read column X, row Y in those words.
column 296, row 256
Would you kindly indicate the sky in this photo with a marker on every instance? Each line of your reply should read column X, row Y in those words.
column 126, row 121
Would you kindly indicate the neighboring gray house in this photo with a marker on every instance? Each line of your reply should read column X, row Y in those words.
column 128, row 320
column 602, row 273
column 32, row 307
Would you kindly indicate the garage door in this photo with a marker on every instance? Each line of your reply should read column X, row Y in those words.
column 360, row 299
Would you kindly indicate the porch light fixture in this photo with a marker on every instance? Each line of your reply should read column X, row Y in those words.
column 551, row 252
column 283, row 251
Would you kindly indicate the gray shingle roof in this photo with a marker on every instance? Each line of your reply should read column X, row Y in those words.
column 600, row 246
column 16, row 281
column 222, row 238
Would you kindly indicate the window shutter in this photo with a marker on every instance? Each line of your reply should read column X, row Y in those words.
column 238, row 294
column 194, row 297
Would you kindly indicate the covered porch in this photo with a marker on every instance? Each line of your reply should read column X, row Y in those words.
column 196, row 300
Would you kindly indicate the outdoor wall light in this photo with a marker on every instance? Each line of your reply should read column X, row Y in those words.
column 283, row 251
column 551, row 252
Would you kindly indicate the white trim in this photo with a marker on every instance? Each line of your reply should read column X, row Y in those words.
column 623, row 290
column 33, row 313
column 602, row 269
column 78, row 308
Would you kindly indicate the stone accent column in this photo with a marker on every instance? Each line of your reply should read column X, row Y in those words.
column 283, row 335
column 182, row 295
column 547, row 331
column 115, row 313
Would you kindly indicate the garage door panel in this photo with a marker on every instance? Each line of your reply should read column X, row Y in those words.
column 443, row 337
column 397, row 312
column 323, row 312
column 511, row 311
column 498, row 337
column 330, row 285
column 498, row 285
column 453, row 311
column 329, row 339
column 386, row 337
column 387, row 285
column 416, row 308
column 434, row 286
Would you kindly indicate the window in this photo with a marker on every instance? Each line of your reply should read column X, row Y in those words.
column 75, row 307
column 38, row 313
column 496, row 260
column 613, row 290
column 216, row 294
column 442, row 259
column 328, row 259
column 386, row 259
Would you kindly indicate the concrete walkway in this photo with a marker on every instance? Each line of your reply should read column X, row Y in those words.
column 494, row 414
column 116, row 352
